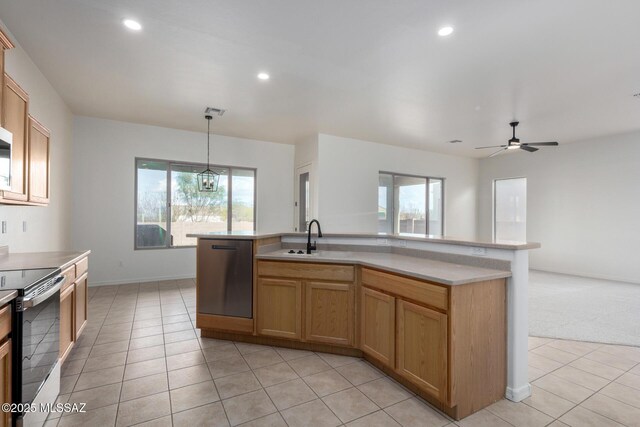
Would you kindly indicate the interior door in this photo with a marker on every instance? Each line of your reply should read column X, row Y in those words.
column 303, row 193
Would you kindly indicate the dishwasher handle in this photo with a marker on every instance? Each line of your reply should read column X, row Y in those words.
column 224, row 248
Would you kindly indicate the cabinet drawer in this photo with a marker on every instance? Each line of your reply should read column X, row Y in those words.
column 69, row 276
column 424, row 292
column 5, row 321
column 306, row 270
column 82, row 266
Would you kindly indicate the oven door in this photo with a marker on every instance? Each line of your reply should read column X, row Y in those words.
column 38, row 323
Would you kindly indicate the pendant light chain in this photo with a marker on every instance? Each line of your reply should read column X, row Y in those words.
column 208, row 136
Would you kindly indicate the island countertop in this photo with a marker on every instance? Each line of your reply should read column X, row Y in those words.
column 445, row 273
column 256, row 235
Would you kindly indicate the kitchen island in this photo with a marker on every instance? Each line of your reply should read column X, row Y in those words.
column 433, row 313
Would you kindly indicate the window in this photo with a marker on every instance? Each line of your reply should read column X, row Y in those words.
column 510, row 209
column 169, row 205
column 410, row 204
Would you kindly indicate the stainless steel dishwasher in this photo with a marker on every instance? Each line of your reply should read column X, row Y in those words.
column 225, row 277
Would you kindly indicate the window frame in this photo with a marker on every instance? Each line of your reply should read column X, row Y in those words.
column 393, row 197
column 171, row 163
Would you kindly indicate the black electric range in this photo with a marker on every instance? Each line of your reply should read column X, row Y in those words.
column 35, row 330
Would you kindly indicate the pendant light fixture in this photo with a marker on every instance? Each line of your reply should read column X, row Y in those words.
column 208, row 179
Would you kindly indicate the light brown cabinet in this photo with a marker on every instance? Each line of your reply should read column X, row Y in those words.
column 80, row 304
column 15, row 113
column 280, row 308
column 67, row 327
column 445, row 343
column 30, row 152
column 74, row 300
column 5, row 44
column 422, row 347
column 39, row 165
column 378, row 323
column 5, row 380
column 329, row 312
column 327, row 315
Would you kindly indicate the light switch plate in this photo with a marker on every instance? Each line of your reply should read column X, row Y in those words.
column 24, row 226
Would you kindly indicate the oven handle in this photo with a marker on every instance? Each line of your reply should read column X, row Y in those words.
column 32, row 302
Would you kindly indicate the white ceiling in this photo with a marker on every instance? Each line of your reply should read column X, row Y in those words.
column 368, row 69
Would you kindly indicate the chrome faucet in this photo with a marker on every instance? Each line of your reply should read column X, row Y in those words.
column 311, row 247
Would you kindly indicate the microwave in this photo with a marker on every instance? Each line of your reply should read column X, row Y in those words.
column 6, row 138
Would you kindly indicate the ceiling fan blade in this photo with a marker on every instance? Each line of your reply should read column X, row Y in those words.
column 497, row 152
column 540, row 143
column 529, row 149
column 491, row 146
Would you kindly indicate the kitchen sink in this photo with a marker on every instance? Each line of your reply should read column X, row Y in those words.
column 320, row 254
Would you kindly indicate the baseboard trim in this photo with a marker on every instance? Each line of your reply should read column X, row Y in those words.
column 518, row 394
column 138, row 280
column 582, row 275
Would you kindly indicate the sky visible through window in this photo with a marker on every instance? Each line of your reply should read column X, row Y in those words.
column 155, row 181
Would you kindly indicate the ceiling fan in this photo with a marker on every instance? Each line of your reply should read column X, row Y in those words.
column 514, row 143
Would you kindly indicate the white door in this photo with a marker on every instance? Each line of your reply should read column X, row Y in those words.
column 303, row 205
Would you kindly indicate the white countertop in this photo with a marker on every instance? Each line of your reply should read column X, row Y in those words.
column 421, row 268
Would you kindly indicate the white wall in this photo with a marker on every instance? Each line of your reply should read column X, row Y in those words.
column 348, row 187
column 583, row 205
column 103, row 206
column 48, row 228
column 307, row 155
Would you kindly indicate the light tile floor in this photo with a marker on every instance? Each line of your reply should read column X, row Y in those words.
column 141, row 362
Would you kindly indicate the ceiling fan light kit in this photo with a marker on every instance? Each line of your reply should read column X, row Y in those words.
column 515, row 144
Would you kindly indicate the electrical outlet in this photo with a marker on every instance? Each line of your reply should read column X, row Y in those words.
column 402, row 243
column 4, row 227
column 478, row 251
column 382, row 241
column 24, row 226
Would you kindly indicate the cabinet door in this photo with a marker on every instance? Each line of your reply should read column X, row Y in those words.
column 422, row 347
column 5, row 381
column 279, row 308
column 378, row 325
column 39, row 145
column 80, row 303
column 67, row 329
column 15, row 113
column 329, row 313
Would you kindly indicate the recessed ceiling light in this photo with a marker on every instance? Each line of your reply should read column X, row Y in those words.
column 132, row 25
column 263, row 76
column 445, row 31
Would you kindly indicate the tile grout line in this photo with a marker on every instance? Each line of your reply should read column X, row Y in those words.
column 124, row 371
column 166, row 366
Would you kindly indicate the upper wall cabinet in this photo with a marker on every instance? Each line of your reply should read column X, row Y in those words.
column 39, row 165
column 5, row 44
column 15, row 118
column 30, row 149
